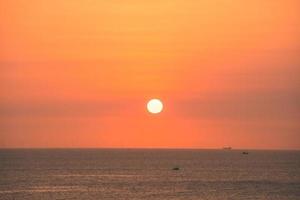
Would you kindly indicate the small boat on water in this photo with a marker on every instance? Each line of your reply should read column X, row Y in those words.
column 245, row 153
column 176, row 168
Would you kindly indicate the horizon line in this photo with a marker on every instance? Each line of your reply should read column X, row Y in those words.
column 146, row 148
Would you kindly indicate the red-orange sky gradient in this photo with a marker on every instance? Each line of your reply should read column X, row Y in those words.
column 79, row 73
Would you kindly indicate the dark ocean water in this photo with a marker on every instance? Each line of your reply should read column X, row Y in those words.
column 147, row 174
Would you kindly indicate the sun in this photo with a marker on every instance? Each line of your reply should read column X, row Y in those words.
column 154, row 106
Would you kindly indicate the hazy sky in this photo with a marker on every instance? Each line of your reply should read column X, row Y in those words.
column 78, row 73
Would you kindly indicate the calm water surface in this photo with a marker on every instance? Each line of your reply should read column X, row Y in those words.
column 147, row 174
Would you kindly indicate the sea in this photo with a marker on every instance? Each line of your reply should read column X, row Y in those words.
column 148, row 174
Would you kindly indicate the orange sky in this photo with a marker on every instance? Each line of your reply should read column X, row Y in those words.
column 79, row 73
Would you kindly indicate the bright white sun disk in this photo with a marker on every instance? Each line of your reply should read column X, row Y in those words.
column 155, row 106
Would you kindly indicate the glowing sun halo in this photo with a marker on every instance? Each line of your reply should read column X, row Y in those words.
column 154, row 106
